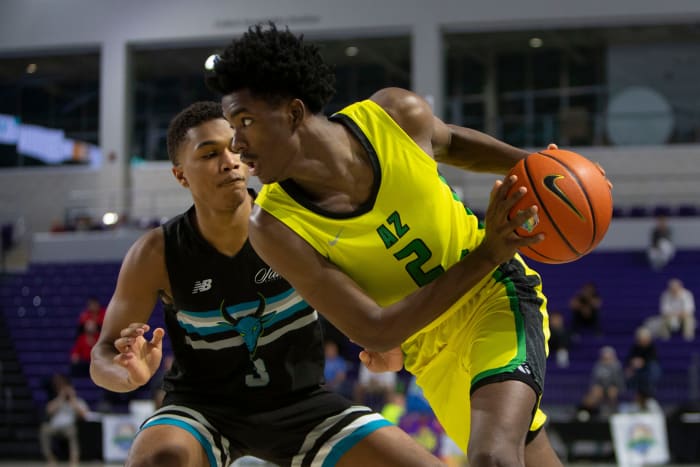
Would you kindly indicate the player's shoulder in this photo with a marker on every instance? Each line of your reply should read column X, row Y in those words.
column 144, row 263
column 153, row 238
column 262, row 221
column 399, row 101
column 410, row 111
column 148, row 247
column 267, row 231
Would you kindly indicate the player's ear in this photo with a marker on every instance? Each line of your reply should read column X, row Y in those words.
column 180, row 176
column 297, row 110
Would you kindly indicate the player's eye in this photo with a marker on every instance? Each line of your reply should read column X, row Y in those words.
column 246, row 121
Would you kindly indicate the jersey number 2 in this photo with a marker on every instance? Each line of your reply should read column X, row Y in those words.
column 415, row 266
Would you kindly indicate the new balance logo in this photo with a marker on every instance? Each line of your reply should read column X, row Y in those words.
column 201, row 286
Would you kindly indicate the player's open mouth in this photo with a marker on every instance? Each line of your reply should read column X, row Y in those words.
column 249, row 160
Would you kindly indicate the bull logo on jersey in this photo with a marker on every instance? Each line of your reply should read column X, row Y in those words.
column 250, row 327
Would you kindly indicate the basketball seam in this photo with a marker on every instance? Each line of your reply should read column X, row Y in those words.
column 585, row 192
column 530, row 248
column 542, row 255
column 545, row 256
column 544, row 207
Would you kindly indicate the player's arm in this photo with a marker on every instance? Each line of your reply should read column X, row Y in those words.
column 142, row 276
column 335, row 295
column 450, row 144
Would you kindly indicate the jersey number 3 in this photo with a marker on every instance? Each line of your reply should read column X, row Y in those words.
column 259, row 376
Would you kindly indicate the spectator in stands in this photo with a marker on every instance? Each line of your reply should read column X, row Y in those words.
column 642, row 368
column 657, row 326
column 80, row 353
column 63, row 413
column 559, row 339
column 585, row 309
column 374, row 389
column 661, row 248
column 346, row 348
column 677, row 308
column 419, row 420
column 85, row 222
column 395, row 407
column 607, row 383
column 57, row 226
column 335, row 370
column 93, row 311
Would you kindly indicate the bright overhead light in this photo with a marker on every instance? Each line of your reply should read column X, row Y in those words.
column 110, row 218
column 536, row 42
column 210, row 62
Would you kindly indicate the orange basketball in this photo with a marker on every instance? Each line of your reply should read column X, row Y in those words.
column 574, row 203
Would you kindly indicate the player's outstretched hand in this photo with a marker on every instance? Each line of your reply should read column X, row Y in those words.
column 378, row 362
column 140, row 357
column 501, row 241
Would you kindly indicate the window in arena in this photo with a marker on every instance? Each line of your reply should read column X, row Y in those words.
column 577, row 87
column 166, row 79
column 524, row 87
column 364, row 65
column 49, row 109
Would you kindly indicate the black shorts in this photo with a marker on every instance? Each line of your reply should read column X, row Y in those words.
column 318, row 428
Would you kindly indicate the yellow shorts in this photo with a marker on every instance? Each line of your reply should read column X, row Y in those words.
column 498, row 331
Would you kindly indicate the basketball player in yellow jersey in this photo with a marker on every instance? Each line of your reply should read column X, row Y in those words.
column 356, row 217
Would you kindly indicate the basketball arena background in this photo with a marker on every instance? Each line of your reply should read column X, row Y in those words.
column 87, row 89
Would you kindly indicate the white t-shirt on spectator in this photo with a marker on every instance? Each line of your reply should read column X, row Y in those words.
column 368, row 378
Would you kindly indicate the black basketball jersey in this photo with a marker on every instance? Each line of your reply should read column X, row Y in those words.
column 239, row 332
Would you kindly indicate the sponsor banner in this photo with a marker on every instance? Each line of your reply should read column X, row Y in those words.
column 118, row 433
column 639, row 439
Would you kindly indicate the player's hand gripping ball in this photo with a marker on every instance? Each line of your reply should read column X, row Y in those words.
column 574, row 200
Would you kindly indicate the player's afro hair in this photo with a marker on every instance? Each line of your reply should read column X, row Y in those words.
column 192, row 116
column 274, row 65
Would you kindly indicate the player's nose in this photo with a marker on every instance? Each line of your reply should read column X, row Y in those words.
column 231, row 160
column 238, row 144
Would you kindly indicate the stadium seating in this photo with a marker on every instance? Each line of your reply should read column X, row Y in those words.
column 630, row 291
column 41, row 308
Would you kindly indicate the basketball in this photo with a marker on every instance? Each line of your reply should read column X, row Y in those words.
column 574, row 201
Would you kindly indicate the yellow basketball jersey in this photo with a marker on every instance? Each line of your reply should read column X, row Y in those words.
column 411, row 229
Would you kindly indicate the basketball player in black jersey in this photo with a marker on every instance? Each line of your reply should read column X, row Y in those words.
column 248, row 370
